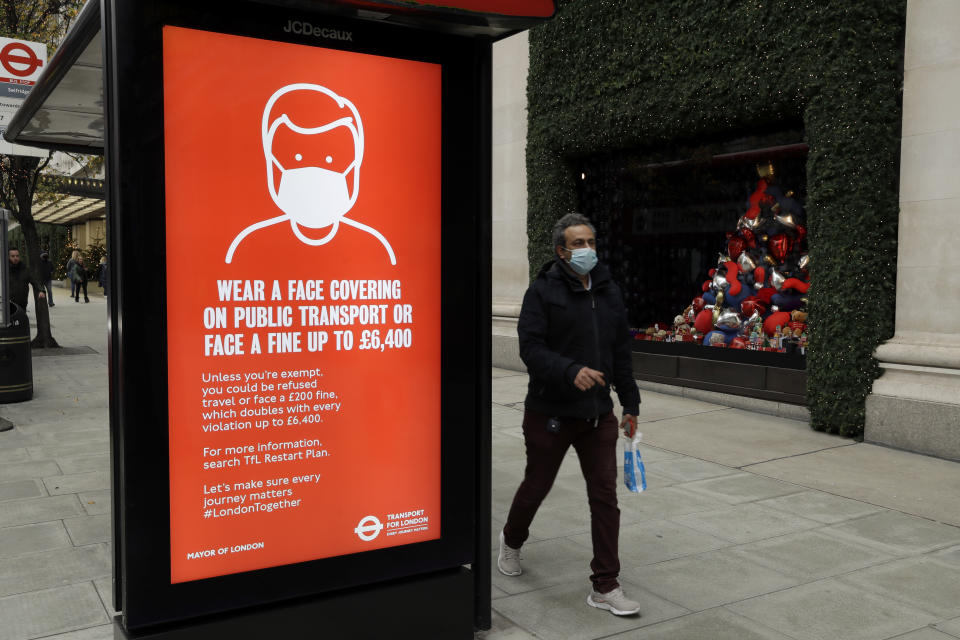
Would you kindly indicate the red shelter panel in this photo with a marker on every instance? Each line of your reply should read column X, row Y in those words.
column 303, row 301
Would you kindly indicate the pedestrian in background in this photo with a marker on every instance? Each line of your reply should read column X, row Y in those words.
column 575, row 342
column 19, row 280
column 103, row 277
column 79, row 276
column 46, row 275
column 72, row 261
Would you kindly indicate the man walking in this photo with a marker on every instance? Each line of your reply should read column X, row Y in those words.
column 575, row 343
column 20, row 280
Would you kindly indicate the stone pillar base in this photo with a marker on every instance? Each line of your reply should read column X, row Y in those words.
column 930, row 428
column 915, row 404
column 506, row 345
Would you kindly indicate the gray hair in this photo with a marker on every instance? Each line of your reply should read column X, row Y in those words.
column 569, row 220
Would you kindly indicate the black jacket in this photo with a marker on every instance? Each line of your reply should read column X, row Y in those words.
column 563, row 327
column 46, row 270
column 19, row 283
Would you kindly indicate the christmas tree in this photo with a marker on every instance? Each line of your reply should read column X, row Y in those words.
column 756, row 296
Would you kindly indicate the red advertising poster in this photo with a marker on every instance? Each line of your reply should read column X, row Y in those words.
column 303, row 301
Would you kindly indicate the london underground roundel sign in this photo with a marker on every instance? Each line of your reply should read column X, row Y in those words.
column 19, row 60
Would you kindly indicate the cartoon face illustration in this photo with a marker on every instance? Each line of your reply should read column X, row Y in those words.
column 312, row 169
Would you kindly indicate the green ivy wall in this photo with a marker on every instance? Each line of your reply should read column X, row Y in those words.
column 607, row 75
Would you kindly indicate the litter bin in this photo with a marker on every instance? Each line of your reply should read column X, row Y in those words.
column 16, row 368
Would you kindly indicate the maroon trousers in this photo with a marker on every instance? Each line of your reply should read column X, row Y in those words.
column 596, row 449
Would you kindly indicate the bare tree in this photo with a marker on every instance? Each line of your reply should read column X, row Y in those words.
column 44, row 21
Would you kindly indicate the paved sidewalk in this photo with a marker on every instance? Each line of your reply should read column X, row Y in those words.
column 54, row 486
column 753, row 527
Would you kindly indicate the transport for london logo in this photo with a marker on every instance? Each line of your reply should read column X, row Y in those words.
column 369, row 528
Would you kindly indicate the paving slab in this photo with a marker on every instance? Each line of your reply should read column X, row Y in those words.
column 39, row 510
column 950, row 556
column 822, row 507
column 77, row 482
column 50, row 611
column 685, row 469
column 741, row 487
column 75, row 435
column 949, row 626
column 649, row 542
column 31, row 538
column 656, row 406
column 897, row 533
column 735, row 437
column 20, row 489
column 745, row 523
column 709, row 579
column 53, row 568
column 10, row 471
column 562, row 613
column 908, row 482
column 102, row 632
column 713, row 624
column 95, row 502
column 104, row 588
column 829, row 610
column 49, row 451
column 503, row 629
column 85, row 462
column 663, row 502
column 14, row 455
column 810, row 555
column 921, row 582
column 88, row 529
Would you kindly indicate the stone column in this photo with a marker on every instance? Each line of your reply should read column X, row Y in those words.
column 915, row 404
column 510, row 270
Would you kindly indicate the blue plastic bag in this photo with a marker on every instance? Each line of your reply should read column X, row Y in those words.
column 633, row 474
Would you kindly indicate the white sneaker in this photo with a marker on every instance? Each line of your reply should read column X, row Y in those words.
column 614, row 601
column 508, row 562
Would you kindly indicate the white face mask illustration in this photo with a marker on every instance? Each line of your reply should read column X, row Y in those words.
column 312, row 196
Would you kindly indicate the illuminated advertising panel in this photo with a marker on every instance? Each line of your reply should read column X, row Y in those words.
column 302, row 195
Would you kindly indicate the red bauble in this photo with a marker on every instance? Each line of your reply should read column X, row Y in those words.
column 738, row 343
column 698, row 304
column 766, row 294
column 779, row 246
column 801, row 233
column 751, row 239
column 735, row 247
column 704, row 321
column 748, row 306
column 774, row 320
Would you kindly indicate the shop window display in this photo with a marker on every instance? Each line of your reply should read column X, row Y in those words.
column 711, row 250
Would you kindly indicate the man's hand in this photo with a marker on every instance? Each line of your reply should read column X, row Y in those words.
column 587, row 378
column 629, row 425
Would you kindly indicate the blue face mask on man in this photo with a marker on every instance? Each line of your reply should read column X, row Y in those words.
column 582, row 261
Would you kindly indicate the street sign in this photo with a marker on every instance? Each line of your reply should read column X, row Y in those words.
column 21, row 63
